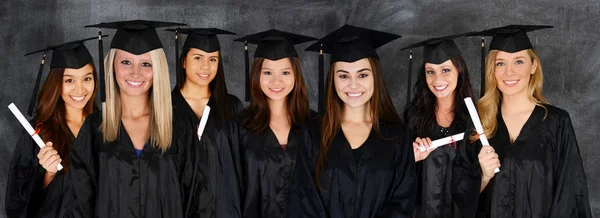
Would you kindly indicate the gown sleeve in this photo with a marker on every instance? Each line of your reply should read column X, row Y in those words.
column 402, row 198
column 24, row 194
column 82, row 196
column 570, row 190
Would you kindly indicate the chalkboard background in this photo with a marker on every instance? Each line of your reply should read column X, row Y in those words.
column 570, row 52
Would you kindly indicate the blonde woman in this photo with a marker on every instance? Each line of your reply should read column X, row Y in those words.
column 541, row 173
column 134, row 159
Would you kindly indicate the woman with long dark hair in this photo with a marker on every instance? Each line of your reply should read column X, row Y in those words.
column 436, row 111
column 364, row 165
column 541, row 172
column 271, row 130
column 35, row 187
column 200, row 82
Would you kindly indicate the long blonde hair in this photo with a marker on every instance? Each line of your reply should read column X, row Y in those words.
column 488, row 104
column 160, row 129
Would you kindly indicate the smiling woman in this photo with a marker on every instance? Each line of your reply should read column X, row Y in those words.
column 35, row 188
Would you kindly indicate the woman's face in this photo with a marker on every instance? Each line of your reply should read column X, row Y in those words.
column 200, row 66
column 277, row 78
column 354, row 82
column 133, row 73
column 441, row 79
column 513, row 72
column 78, row 86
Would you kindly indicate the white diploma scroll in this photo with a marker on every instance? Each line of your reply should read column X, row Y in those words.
column 477, row 124
column 13, row 108
column 203, row 121
column 444, row 141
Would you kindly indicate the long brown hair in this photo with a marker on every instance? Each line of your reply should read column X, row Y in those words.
column 488, row 104
column 218, row 88
column 51, row 114
column 381, row 105
column 258, row 114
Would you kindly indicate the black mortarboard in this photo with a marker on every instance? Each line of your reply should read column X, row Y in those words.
column 72, row 55
column 136, row 36
column 438, row 50
column 347, row 44
column 511, row 38
column 273, row 45
column 204, row 39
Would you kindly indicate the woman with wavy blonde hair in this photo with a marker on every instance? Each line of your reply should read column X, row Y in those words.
column 532, row 142
column 135, row 159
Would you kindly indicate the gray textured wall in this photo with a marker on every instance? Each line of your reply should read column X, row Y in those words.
column 570, row 52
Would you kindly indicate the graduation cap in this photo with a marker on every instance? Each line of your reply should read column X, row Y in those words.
column 204, row 39
column 273, row 45
column 436, row 51
column 511, row 39
column 72, row 55
column 348, row 44
column 134, row 36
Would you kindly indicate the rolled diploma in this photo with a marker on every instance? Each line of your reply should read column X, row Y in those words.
column 477, row 123
column 203, row 121
column 444, row 141
column 13, row 108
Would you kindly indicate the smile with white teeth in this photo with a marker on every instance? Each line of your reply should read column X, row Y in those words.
column 440, row 88
column 204, row 76
column 354, row 95
column 135, row 84
column 77, row 98
column 510, row 82
column 276, row 90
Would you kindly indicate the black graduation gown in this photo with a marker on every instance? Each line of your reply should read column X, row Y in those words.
column 219, row 191
column 379, row 183
column 541, row 174
column 110, row 180
column 25, row 196
column 267, row 169
column 449, row 170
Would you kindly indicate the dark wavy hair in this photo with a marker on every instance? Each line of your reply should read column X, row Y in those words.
column 420, row 114
column 218, row 88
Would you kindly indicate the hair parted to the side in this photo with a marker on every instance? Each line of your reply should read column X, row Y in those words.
column 487, row 106
column 258, row 113
column 160, row 130
column 381, row 107
column 51, row 113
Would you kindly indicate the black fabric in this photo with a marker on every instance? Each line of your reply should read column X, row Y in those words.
column 267, row 169
column 541, row 174
column 381, row 183
column 72, row 54
column 219, row 189
column 438, row 50
column 449, row 178
column 136, row 36
column 350, row 43
column 109, row 180
column 275, row 44
column 25, row 195
column 511, row 38
column 204, row 39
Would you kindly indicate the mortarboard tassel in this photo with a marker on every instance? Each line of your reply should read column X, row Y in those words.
column 247, row 73
column 482, row 89
column 321, row 82
column 408, row 95
column 31, row 108
column 178, row 76
column 101, row 67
